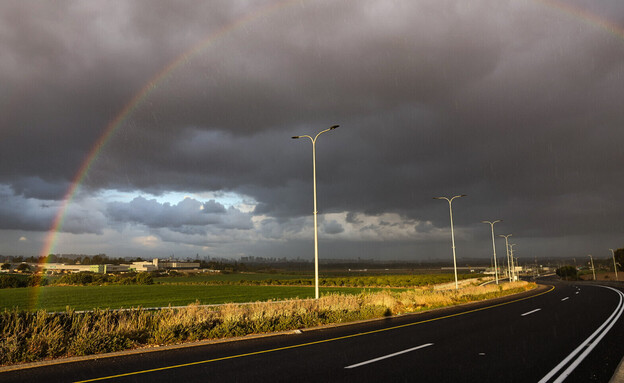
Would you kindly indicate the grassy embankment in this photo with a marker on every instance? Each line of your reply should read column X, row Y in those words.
column 29, row 336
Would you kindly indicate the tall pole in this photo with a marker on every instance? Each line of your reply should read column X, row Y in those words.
column 507, row 249
column 316, row 274
column 511, row 257
column 614, row 264
column 592, row 263
column 450, row 201
column 494, row 247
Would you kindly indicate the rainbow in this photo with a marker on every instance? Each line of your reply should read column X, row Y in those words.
column 584, row 16
column 153, row 83
column 128, row 109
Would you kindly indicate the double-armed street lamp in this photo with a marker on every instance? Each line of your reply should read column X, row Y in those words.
column 507, row 249
column 494, row 247
column 592, row 264
column 450, row 201
column 614, row 264
column 316, row 276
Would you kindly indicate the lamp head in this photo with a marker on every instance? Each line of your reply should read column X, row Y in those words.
column 333, row 127
column 295, row 137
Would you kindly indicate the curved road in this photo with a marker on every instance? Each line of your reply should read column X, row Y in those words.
column 571, row 332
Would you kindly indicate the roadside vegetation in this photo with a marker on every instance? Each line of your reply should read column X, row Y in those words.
column 31, row 336
column 400, row 281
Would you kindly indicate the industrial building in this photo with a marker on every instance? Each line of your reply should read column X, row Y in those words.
column 141, row 266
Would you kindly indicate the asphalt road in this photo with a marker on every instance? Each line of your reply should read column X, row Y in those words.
column 511, row 340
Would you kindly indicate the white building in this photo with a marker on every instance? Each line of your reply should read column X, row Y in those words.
column 157, row 264
column 142, row 266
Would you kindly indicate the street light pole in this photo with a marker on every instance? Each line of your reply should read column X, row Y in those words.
column 511, row 257
column 592, row 263
column 450, row 201
column 316, row 275
column 494, row 247
column 614, row 264
column 507, row 249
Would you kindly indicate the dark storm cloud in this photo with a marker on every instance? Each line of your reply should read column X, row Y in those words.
column 186, row 214
column 332, row 227
column 36, row 187
column 69, row 67
column 24, row 214
column 515, row 103
column 19, row 212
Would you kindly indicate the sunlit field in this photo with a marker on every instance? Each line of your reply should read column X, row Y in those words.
column 58, row 298
column 205, row 289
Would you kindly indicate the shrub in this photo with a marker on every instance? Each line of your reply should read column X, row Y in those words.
column 569, row 273
column 144, row 279
column 9, row 281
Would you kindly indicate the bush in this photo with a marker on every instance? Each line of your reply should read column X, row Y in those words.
column 89, row 278
column 144, row 279
column 8, row 281
column 16, row 280
column 568, row 273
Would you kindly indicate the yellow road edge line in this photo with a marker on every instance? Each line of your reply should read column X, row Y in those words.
column 313, row 343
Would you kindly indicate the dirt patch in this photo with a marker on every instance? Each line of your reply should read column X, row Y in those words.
column 609, row 276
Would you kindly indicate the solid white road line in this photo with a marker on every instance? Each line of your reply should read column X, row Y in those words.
column 589, row 343
column 530, row 312
column 390, row 355
column 565, row 299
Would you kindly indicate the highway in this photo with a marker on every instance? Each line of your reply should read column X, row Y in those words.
column 571, row 332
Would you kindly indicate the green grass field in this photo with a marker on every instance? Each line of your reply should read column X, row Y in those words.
column 57, row 298
column 185, row 289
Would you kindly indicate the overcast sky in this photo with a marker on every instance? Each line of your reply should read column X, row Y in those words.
column 519, row 104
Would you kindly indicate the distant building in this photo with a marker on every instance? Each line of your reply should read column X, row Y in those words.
column 165, row 265
column 142, row 266
column 157, row 264
column 63, row 268
column 108, row 268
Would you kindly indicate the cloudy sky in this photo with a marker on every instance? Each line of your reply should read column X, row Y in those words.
column 519, row 104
